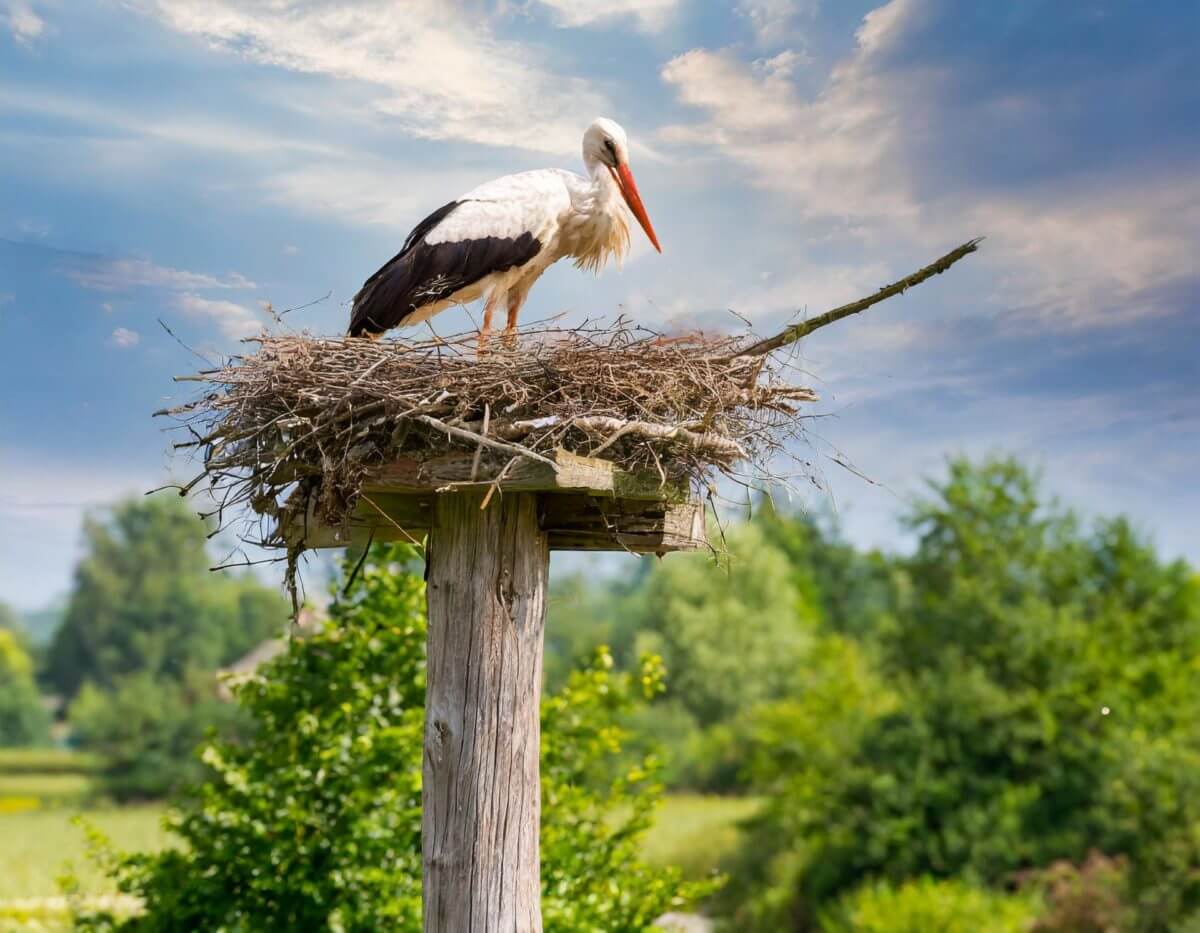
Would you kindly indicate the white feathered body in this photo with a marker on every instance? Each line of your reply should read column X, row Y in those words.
column 494, row 242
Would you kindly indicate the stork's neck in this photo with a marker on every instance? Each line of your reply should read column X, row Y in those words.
column 604, row 193
column 599, row 228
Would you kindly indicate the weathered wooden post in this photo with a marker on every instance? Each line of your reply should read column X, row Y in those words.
column 481, row 789
column 488, row 546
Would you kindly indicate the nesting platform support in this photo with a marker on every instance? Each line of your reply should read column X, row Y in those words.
column 489, row 532
column 481, row 786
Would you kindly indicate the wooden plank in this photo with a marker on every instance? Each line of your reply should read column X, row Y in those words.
column 481, row 796
column 570, row 473
column 588, row 523
column 574, row 522
column 391, row 517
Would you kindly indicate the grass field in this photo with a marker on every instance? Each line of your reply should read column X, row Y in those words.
column 691, row 831
column 35, row 845
column 694, row 831
column 45, row 786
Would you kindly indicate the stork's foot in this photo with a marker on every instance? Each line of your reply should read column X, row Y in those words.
column 508, row 339
column 481, row 342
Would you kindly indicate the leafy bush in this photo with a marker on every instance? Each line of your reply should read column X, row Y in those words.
column 314, row 823
column 23, row 720
column 925, row 905
column 1087, row 898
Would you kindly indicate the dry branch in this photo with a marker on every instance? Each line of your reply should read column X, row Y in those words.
column 804, row 328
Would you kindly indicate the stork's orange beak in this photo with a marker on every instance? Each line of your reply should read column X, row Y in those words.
column 624, row 179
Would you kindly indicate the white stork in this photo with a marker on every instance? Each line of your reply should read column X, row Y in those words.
column 496, row 240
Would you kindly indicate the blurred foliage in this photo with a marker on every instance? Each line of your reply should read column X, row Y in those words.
column 1045, row 703
column 23, row 720
column 926, row 905
column 315, row 822
column 1086, row 898
column 145, row 731
column 145, row 602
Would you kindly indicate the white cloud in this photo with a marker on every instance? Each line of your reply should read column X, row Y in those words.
column 367, row 192
column 1092, row 249
column 776, row 21
column 190, row 130
column 22, row 21
column 782, row 66
column 436, row 67
column 291, row 249
column 648, row 15
column 232, row 319
column 125, row 274
column 123, row 338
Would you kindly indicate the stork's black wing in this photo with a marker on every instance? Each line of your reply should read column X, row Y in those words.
column 423, row 273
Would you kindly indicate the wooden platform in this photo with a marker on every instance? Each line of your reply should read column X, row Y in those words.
column 584, row 504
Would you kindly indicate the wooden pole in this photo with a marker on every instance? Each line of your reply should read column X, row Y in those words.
column 481, row 788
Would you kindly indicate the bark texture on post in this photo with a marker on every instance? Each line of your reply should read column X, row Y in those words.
column 481, row 788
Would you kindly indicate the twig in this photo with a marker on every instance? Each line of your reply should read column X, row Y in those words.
column 487, row 417
column 804, row 328
column 465, row 435
column 662, row 432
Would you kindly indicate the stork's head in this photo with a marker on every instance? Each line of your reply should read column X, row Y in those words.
column 605, row 144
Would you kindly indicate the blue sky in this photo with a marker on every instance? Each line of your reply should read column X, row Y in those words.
column 191, row 159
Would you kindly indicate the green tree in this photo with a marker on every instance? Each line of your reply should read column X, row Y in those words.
column 732, row 636
column 853, row 592
column 146, row 730
column 1045, row 705
column 23, row 720
column 314, row 823
column 144, row 601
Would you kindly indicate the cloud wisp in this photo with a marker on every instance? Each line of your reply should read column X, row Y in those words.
column 438, row 69
column 123, row 338
column 233, row 320
column 22, row 21
column 128, row 274
column 647, row 15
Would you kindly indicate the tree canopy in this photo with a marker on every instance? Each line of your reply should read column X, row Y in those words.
column 145, row 602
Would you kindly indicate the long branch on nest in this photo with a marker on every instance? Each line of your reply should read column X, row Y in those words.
column 304, row 421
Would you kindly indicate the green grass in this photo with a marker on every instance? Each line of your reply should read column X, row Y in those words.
column 694, row 831
column 691, row 831
column 47, row 787
column 34, row 846
column 45, row 761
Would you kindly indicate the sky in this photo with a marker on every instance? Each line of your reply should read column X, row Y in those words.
column 190, row 161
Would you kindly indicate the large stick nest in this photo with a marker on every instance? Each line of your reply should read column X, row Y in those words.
column 325, row 412
column 305, row 420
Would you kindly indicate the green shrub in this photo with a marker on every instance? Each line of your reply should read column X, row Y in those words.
column 314, row 823
column 23, row 721
column 928, row 906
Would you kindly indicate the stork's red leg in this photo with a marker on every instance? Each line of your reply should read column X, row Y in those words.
column 489, row 308
column 516, row 298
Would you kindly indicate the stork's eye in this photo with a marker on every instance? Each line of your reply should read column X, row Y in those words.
column 612, row 149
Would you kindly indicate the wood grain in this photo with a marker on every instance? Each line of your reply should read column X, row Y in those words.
column 481, row 790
